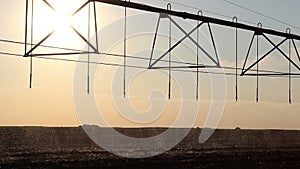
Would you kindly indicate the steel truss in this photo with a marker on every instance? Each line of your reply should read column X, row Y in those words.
column 169, row 14
column 29, row 53
column 85, row 39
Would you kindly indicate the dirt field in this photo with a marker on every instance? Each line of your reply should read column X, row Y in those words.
column 39, row 147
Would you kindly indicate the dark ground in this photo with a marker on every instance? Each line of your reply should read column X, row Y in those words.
column 45, row 148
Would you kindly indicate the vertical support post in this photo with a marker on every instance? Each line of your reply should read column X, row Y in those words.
column 170, row 45
column 288, row 30
column 88, row 64
column 31, row 46
column 257, row 66
column 197, row 79
column 236, row 60
column 290, row 79
column 257, row 79
column 26, row 26
column 125, row 51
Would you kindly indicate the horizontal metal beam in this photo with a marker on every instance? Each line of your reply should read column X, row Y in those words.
column 197, row 17
column 184, row 67
column 62, row 54
column 271, row 74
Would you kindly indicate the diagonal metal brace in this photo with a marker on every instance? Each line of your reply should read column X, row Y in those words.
column 290, row 60
column 260, row 59
column 83, row 38
column 175, row 45
column 154, row 40
column 296, row 49
column 188, row 35
column 38, row 44
column 264, row 56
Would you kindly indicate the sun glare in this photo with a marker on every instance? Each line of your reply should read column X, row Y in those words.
column 60, row 20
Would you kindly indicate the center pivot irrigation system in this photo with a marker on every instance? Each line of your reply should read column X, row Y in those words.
column 169, row 14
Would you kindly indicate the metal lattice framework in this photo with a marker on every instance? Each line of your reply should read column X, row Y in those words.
column 85, row 39
column 168, row 14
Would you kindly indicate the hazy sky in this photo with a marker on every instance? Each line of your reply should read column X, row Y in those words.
column 51, row 103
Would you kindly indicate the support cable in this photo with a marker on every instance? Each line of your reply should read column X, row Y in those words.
column 185, row 15
column 276, row 75
column 119, row 56
column 261, row 14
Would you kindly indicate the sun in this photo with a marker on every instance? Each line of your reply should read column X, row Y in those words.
column 56, row 15
column 62, row 20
